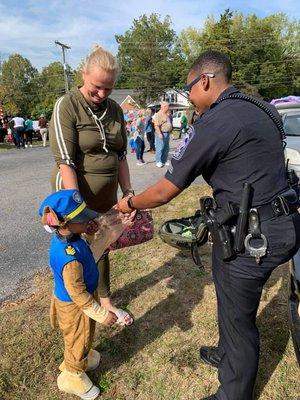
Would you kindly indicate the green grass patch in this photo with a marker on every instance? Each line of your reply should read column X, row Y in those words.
column 174, row 305
column 5, row 147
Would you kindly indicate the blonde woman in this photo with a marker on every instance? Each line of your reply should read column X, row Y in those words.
column 88, row 140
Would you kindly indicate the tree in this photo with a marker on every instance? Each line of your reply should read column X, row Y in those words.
column 149, row 57
column 77, row 75
column 18, row 84
column 264, row 51
column 50, row 87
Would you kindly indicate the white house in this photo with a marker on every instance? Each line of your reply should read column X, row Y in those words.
column 176, row 98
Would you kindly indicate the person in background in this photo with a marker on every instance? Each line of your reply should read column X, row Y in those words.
column 28, row 131
column 43, row 126
column 9, row 129
column 2, row 130
column 163, row 128
column 88, row 140
column 149, row 130
column 139, row 137
column 18, row 130
column 183, row 124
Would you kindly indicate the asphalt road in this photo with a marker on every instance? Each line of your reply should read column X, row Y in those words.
column 24, row 182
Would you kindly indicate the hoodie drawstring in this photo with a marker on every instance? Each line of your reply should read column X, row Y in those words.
column 100, row 126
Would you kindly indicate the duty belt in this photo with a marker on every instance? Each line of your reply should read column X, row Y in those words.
column 279, row 206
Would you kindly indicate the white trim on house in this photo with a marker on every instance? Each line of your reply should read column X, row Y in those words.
column 130, row 100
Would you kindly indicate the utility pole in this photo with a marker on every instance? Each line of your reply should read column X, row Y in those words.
column 63, row 48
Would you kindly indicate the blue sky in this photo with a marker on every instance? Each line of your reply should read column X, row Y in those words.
column 30, row 27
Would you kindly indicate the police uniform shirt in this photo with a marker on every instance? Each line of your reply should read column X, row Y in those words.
column 62, row 252
column 232, row 143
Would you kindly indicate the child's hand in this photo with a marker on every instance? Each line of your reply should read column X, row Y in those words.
column 110, row 320
column 113, row 223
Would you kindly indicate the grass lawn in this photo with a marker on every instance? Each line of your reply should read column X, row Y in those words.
column 157, row 358
column 5, row 147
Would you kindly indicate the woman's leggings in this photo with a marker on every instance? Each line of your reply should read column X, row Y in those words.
column 140, row 147
column 104, row 276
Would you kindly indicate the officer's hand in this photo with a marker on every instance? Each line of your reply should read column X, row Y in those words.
column 110, row 320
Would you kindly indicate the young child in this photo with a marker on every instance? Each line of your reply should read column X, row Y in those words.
column 74, row 303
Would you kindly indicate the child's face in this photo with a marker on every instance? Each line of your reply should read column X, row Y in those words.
column 89, row 227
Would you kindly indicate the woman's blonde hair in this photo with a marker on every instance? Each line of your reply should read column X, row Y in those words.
column 101, row 58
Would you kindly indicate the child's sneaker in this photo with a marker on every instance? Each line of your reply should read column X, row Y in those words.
column 159, row 165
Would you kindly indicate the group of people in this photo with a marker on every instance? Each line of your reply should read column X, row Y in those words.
column 19, row 130
column 157, row 128
column 232, row 143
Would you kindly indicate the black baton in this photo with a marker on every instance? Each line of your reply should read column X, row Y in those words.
column 242, row 221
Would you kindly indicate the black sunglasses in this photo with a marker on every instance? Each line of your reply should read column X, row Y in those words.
column 188, row 87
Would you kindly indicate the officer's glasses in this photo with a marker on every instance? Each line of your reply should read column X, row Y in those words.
column 188, row 87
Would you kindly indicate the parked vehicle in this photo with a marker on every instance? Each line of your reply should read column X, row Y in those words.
column 294, row 302
column 36, row 130
column 176, row 119
column 290, row 113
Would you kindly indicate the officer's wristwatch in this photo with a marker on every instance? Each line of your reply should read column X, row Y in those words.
column 129, row 204
column 128, row 191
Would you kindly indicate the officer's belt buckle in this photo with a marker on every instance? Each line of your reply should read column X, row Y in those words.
column 280, row 206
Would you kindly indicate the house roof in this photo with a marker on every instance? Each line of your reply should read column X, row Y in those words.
column 119, row 95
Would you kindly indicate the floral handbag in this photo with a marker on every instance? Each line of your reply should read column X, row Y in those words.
column 141, row 231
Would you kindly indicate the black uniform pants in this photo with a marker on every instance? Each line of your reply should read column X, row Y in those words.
column 239, row 285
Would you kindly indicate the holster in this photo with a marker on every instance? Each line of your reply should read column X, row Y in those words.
column 219, row 230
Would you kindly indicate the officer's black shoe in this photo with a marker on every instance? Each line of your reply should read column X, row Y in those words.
column 210, row 355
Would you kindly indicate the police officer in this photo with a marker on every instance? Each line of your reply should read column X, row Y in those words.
column 232, row 143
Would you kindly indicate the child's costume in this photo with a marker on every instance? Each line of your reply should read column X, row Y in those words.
column 74, row 302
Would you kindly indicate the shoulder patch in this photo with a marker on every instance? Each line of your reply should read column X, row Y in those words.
column 184, row 143
column 70, row 250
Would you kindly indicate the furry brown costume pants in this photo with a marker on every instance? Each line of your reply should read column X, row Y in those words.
column 78, row 332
